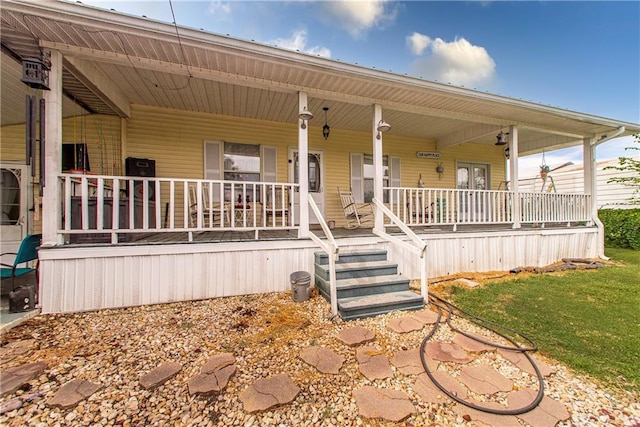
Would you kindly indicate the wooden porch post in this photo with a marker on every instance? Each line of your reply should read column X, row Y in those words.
column 303, row 165
column 51, row 215
column 377, row 166
column 513, row 166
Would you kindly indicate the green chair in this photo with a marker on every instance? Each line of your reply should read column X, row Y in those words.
column 28, row 251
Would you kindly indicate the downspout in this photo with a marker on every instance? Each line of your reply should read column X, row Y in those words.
column 594, row 213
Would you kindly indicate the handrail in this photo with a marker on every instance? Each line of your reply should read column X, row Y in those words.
column 419, row 249
column 332, row 250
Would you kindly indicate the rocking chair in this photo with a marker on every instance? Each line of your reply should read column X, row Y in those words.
column 356, row 214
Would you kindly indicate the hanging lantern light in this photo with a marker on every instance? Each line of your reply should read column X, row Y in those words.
column 325, row 128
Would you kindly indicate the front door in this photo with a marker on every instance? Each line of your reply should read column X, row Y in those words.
column 316, row 182
column 471, row 176
column 13, row 201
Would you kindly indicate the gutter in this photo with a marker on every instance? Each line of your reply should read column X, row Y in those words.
column 594, row 215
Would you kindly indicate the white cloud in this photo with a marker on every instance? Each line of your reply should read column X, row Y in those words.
column 457, row 62
column 298, row 41
column 219, row 7
column 418, row 43
column 358, row 16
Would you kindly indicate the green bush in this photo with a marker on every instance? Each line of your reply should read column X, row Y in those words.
column 621, row 227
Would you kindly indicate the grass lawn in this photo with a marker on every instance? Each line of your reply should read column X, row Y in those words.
column 588, row 320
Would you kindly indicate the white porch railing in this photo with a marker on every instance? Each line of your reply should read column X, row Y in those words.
column 333, row 252
column 437, row 206
column 115, row 205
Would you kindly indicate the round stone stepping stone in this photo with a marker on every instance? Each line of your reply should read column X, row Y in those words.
column 425, row 387
column 323, row 359
column 471, row 344
column 356, row 335
column 14, row 378
column 268, row 392
column 408, row 362
column 520, row 360
column 160, row 375
column 484, row 379
column 214, row 375
column 406, row 324
column 390, row 405
column 73, row 392
column 447, row 352
column 547, row 414
column 373, row 363
column 428, row 317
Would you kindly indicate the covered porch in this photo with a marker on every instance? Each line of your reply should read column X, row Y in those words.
column 246, row 168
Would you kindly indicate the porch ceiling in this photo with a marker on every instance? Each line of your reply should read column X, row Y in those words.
column 113, row 60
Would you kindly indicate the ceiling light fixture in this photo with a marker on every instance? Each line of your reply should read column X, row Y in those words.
column 305, row 115
column 382, row 127
column 325, row 128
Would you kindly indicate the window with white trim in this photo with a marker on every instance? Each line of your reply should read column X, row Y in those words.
column 363, row 174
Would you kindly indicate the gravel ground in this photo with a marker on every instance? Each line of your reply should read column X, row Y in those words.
column 265, row 333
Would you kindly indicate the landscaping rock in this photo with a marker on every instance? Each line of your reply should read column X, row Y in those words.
column 214, row 376
column 390, row 405
column 447, row 352
column 520, row 360
column 472, row 345
column 268, row 392
column 14, row 378
column 15, row 349
column 428, row 317
column 323, row 359
column 71, row 393
column 409, row 363
column 160, row 375
column 356, row 336
column 547, row 414
column 483, row 379
column 373, row 363
column 406, row 324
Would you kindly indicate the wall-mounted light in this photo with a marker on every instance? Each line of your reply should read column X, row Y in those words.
column 507, row 153
column 382, row 127
column 325, row 128
column 305, row 115
column 501, row 138
column 440, row 170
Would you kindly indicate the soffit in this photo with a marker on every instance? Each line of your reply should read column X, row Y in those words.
column 220, row 75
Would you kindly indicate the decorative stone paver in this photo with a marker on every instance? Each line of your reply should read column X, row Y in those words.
column 450, row 383
column 468, row 283
column 214, row 376
column 447, row 352
column 390, row 405
column 14, row 378
column 15, row 349
column 406, row 324
column 471, row 344
column 373, row 363
column 323, row 359
column 520, row 360
column 427, row 390
column 428, row 317
column 481, row 418
column 73, row 392
column 547, row 414
column 268, row 392
column 408, row 362
column 160, row 375
column 484, row 379
column 356, row 336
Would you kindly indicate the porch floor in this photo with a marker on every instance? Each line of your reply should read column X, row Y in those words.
column 215, row 236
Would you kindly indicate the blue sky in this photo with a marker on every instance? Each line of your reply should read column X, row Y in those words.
column 582, row 55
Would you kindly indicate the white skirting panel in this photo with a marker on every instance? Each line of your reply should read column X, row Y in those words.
column 92, row 278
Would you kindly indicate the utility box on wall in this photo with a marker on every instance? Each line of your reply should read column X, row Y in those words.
column 141, row 167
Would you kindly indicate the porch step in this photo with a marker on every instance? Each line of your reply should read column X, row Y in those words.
column 322, row 258
column 361, row 286
column 366, row 283
column 372, row 305
column 358, row 269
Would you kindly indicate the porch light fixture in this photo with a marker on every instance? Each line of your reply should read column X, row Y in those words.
column 325, row 128
column 382, row 127
column 501, row 138
column 507, row 153
column 305, row 115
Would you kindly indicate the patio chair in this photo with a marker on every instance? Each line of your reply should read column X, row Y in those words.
column 28, row 251
column 210, row 212
column 276, row 206
column 356, row 214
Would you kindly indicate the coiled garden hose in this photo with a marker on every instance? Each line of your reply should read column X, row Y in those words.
column 451, row 310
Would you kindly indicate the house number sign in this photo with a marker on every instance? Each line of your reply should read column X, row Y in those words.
column 428, row 155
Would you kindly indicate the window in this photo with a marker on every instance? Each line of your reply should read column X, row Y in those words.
column 363, row 174
column 234, row 161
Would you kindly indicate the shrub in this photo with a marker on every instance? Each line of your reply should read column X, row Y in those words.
column 621, row 227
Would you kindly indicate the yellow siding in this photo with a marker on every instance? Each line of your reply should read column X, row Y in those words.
column 175, row 140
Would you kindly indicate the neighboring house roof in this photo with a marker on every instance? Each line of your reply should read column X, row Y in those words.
column 112, row 60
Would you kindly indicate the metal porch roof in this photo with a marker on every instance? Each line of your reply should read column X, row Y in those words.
column 146, row 64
